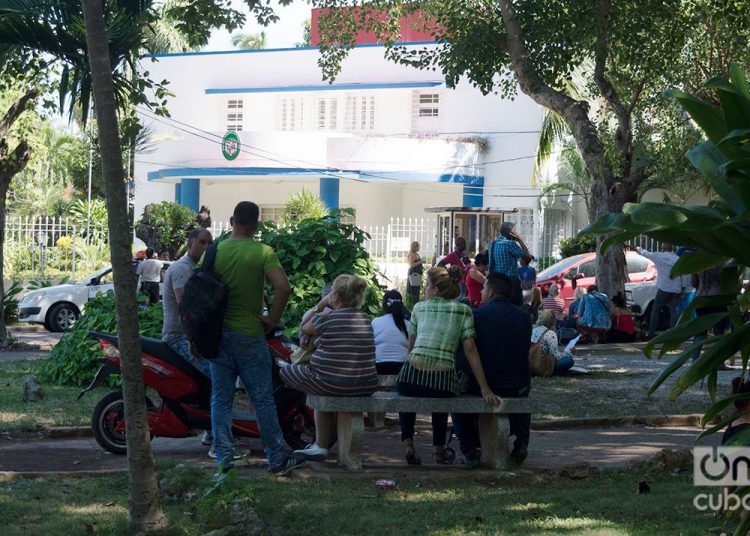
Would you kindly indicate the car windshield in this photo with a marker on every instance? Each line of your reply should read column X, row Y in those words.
column 560, row 266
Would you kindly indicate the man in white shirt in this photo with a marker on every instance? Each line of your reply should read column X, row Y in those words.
column 150, row 272
column 668, row 289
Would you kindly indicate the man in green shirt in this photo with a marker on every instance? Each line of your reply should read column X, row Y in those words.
column 245, row 265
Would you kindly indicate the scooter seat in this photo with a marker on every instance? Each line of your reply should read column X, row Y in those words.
column 159, row 349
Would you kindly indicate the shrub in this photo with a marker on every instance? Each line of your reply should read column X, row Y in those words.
column 577, row 244
column 315, row 252
column 166, row 226
column 75, row 359
column 303, row 205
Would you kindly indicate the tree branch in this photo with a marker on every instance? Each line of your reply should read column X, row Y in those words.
column 573, row 111
column 14, row 163
column 15, row 111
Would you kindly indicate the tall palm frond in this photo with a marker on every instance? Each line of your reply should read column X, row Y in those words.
column 246, row 41
column 56, row 28
column 164, row 35
column 554, row 131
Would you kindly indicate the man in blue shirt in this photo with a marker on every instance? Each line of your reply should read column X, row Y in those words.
column 504, row 255
column 503, row 337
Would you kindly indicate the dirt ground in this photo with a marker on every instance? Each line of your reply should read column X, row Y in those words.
column 601, row 447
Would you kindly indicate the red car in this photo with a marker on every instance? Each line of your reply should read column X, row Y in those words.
column 582, row 269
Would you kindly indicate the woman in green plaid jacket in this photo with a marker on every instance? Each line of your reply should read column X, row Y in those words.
column 436, row 328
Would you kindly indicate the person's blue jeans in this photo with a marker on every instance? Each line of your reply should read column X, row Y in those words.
column 181, row 345
column 247, row 357
column 562, row 365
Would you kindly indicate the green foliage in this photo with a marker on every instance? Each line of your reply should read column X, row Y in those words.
column 168, row 225
column 582, row 243
column 10, row 302
column 224, row 503
column 44, row 281
column 78, row 212
column 314, row 252
column 75, row 359
column 246, row 41
column 720, row 233
column 303, row 205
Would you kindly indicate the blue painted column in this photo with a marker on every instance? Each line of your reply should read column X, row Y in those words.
column 190, row 193
column 474, row 193
column 177, row 189
column 329, row 192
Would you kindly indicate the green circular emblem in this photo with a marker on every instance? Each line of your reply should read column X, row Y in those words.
column 230, row 145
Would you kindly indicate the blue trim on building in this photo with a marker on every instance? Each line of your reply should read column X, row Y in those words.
column 323, row 87
column 474, row 194
column 329, row 192
column 284, row 49
column 471, row 180
column 177, row 192
column 190, row 193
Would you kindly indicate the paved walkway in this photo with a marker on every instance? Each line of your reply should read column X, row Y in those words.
column 601, row 447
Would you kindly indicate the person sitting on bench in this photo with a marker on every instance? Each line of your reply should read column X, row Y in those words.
column 343, row 363
column 503, row 339
column 436, row 328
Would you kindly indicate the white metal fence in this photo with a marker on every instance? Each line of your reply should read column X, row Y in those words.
column 50, row 247
column 390, row 243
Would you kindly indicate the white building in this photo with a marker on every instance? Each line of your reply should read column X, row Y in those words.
column 384, row 139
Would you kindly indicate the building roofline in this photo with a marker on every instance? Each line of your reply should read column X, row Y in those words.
column 271, row 50
column 324, row 87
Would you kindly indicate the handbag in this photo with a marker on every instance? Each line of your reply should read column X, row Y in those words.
column 415, row 279
column 541, row 363
column 303, row 354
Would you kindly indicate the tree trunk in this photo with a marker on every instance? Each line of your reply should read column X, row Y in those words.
column 144, row 510
column 607, row 193
column 10, row 165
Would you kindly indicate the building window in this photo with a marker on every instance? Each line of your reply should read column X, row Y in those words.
column 359, row 113
column 425, row 112
column 274, row 213
column 327, row 113
column 235, row 115
column 290, row 111
column 349, row 218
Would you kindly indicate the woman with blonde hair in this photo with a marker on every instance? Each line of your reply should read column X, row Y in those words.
column 343, row 363
column 436, row 328
column 544, row 331
column 414, row 275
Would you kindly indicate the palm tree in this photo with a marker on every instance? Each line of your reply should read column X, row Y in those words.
column 248, row 41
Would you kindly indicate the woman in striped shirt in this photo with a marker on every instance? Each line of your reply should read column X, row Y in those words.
column 553, row 302
column 343, row 363
column 436, row 328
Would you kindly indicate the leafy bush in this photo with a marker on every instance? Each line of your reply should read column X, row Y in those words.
column 303, row 205
column 577, row 244
column 315, row 252
column 10, row 302
column 719, row 233
column 75, row 359
column 78, row 213
column 44, row 281
column 166, row 226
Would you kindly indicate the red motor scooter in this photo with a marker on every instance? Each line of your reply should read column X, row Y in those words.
column 185, row 407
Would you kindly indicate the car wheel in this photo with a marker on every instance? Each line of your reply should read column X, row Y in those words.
column 62, row 317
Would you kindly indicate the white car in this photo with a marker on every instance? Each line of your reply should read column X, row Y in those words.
column 58, row 307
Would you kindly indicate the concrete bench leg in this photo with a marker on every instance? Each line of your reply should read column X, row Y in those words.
column 377, row 420
column 494, row 430
column 351, row 427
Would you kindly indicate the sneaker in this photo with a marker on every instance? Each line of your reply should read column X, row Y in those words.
column 313, row 453
column 207, row 438
column 292, row 462
column 236, row 455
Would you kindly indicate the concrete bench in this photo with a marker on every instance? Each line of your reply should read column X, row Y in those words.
column 493, row 423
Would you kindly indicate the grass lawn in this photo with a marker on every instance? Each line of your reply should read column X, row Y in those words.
column 613, row 394
column 58, row 408
column 460, row 504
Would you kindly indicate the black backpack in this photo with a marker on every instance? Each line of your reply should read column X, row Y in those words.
column 202, row 308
